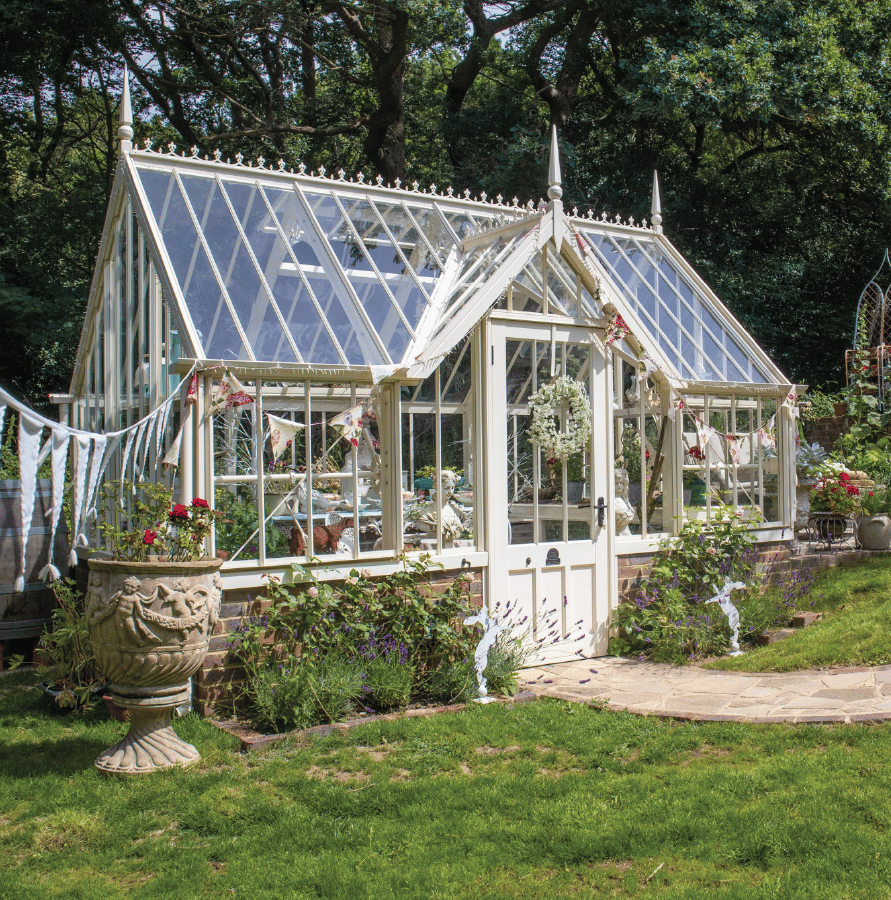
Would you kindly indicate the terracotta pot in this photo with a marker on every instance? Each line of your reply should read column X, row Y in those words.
column 115, row 712
column 150, row 624
column 874, row 532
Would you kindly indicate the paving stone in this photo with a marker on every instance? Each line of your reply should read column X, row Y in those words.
column 721, row 684
column 757, row 691
column 695, row 702
column 847, row 679
column 805, row 619
column 851, row 693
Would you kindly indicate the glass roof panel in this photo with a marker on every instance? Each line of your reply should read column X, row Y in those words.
column 358, row 264
column 207, row 306
column 308, row 259
column 249, row 298
column 695, row 337
column 293, row 300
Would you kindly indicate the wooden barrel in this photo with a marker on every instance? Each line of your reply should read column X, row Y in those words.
column 23, row 615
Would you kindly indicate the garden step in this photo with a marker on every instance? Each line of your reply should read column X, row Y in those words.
column 771, row 637
column 805, row 619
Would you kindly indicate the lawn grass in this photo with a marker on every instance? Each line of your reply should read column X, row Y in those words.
column 544, row 800
column 855, row 629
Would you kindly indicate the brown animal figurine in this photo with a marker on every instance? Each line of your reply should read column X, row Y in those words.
column 325, row 537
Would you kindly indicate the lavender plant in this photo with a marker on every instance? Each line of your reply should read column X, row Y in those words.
column 392, row 631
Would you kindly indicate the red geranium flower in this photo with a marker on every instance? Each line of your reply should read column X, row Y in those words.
column 198, row 503
column 149, row 537
column 843, row 476
column 179, row 512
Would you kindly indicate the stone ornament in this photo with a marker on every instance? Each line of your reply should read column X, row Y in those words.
column 623, row 510
column 491, row 629
column 722, row 598
column 150, row 624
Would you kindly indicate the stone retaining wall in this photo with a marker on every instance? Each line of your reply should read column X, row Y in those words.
column 219, row 681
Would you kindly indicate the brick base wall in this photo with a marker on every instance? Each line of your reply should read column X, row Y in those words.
column 825, row 432
column 219, row 681
column 774, row 563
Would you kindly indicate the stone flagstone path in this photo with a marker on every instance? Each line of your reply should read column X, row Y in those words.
column 687, row 692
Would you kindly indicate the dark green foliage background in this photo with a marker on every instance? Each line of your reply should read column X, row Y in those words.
column 767, row 120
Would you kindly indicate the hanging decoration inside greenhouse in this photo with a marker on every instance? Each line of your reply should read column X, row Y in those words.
column 281, row 433
column 90, row 454
column 562, row 393
column 228, row 394
column 352, row 421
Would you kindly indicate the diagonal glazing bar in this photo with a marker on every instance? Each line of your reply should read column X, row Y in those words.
column 373, row 349
column 322, row 314
column 258, row 314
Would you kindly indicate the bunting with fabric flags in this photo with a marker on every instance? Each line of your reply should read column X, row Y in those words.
column 89, row 454
column 229, row 394
column 352, row 421
column 281, row 433
column 616, row 329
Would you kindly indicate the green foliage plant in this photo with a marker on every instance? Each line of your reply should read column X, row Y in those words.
column 668, row 620
column 393, row 629
column 866, row 443
column 68, row 661
column 237, row 527
column 817, row 404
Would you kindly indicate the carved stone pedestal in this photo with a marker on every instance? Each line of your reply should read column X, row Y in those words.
column 150, row 624
column 150, row 744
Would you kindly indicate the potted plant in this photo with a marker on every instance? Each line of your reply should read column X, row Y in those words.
column 874, row 527
column 833, row 500
column 811, row 464
column 152, row 602
column 72, row 676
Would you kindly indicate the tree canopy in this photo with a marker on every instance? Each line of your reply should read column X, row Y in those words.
column 767, row 120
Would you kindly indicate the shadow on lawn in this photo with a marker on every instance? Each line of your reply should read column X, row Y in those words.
column 65, row 755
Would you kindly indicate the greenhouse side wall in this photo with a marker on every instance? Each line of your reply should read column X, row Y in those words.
column 218, row 684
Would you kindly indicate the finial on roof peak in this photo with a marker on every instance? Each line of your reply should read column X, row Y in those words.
column 555, row 181
column 656, row 205
column 125, row 125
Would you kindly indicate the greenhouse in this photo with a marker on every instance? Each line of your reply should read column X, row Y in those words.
column 354, row 371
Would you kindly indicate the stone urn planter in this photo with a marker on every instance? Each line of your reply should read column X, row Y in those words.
column 150, row 623
column 874, row 532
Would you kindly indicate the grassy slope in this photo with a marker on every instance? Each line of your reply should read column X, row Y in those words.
column 546, row 800
column 855, row 629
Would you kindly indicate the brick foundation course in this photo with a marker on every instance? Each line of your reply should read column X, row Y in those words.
column 218, row 684
column 774, row 563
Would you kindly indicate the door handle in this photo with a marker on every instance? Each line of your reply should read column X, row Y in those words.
column 601, row 511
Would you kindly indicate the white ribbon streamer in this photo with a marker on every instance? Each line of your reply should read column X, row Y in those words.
column 60, row 461
column 82, row 446
column 30, row 430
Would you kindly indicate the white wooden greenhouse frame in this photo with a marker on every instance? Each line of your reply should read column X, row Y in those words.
column 440, row 315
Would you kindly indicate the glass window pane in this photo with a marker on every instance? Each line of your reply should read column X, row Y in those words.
column 204, row 299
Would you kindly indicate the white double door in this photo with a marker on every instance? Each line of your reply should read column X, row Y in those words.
column 549, row 522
